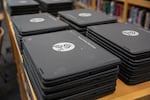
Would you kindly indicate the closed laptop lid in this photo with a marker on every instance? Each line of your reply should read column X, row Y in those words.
column 37, row 22
column 84, row 17
column 14, row 3
column 132, row 39
column 56, row 1
column 66, row 53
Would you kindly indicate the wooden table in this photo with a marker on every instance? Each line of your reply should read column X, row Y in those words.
column 123, row 91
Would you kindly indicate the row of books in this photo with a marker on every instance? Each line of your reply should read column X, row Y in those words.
column 139, row 16
column 88, row 3
column 110, row 7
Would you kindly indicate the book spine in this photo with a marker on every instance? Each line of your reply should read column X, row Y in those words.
column 112, row 8
column 135, row 15
column 98, row 5
column 147, row 21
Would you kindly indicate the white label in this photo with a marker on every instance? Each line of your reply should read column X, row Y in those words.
column 85, row 14
column 37, row 20
column 130, row 33
column 22, row 1
column 87, row 42
column 63, row 46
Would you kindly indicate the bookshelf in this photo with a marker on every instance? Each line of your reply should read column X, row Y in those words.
column 126, row 6
column 141, row 3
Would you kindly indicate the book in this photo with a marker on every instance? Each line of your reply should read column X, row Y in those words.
column 135, row 15
column 131, row 12
column 104, row 6
column 107, row 7
column 143, row 18
column 139, row 17
column 112, row 8
column 147, row 21
column 99, row 5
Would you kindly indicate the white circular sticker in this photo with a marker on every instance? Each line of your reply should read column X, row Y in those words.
column 85, row 14
column 22, row 1
column 37, row 20
column 130, row 33
column 63, row 46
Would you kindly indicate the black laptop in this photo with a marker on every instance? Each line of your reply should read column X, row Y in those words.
column 127, row 37
column 37, row 24
column 62, row 56
column 54, row 3
column 33, row 24
column 17, row 7
column 68, row 53
column 53, row 6
column 130, row 44
column 81, row 18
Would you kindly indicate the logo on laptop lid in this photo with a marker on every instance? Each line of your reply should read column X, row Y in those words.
column 130, row 33
column 85, row 14
column 37, row 20
column 63, row 46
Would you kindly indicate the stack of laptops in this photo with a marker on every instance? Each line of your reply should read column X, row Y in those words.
column 21, row 7
column 79, row 19
column 32, row 24
column 53, row 6
column 68, row 66
column 128, row 42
